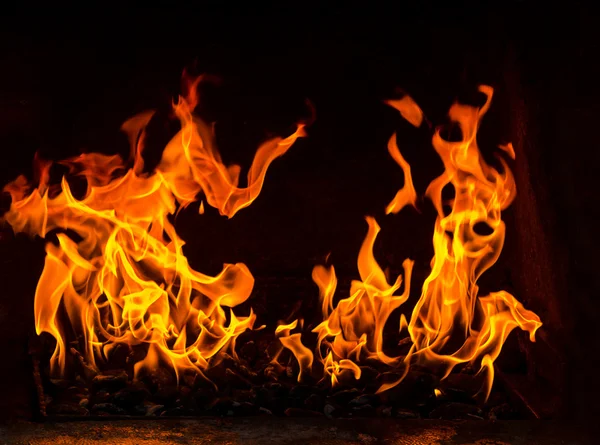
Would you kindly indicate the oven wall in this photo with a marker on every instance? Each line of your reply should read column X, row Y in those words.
column 553, row 73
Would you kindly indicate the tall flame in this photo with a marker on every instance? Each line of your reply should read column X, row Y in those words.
column 451, row 323
column 450, row 310
column 120, row 276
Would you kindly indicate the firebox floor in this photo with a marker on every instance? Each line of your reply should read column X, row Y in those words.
column 292, row 431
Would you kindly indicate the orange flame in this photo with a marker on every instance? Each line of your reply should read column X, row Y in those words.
column 408, row 108
column 123, row 277
column 293, row 342
column 407, row 195
column 119, row 275
column 450, row 310
column 354, row 328
column 450, row 305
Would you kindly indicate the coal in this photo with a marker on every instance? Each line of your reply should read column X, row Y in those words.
column 363, row 411
column 130, row 397
column 365, row 399
column 384, row 411
column 235, row 388
column 411, row 398
column 67, row 409
column 110, row 380
column 190, row 380
column 503, row 412
column 108, row 408
column 222, row 406
column 277, row 389
column 166, row 396
column 461, row 387
column 262, row 396
column 249, row 352
column 236, row 380
column 277, row 405
column 245, row 409
column 329, row 410
column 345, row 396
column 153, row 410
column 72, row 395
column 314, row 402
column 405, row 414
column 456, row 410
column 203, row 397
column 178, row 411
column 301, row 392
column 368, row 375
column 414, row 390
column 158, row 378
column 101, row 396
column 60, row 383
column 299, row 412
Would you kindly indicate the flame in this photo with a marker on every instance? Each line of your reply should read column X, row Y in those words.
column 353, row 330
column 115, row 272
column 119, row 275
column 450, row 310
column 451, row 323
column 408, row 108
column 293, row 342
column 407, row 195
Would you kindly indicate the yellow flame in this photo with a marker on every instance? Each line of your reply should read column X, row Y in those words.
column 293, row 342
column 123, row 277
column 408, row 108
column 451, row 323
column 407, row 195
column 450, row 310
column 353, row 330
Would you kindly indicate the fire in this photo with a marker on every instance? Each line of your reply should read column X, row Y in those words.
column 354, row 328
column 451, row 323
column 450, row 306
column 119, row 275
column 115, row 273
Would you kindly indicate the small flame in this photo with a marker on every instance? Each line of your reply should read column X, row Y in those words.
column 408, row 108
column 293, row 342
column 122, row 278
column 509, row 149
column 353, row 330
column 407, row 195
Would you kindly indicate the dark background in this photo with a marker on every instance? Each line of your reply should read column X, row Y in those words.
column 69, row 77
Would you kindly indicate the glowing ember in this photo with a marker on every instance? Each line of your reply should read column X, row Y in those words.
column 123, row 278
column 450, row 310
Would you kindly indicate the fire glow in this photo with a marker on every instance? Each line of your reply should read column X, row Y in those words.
column 123, row 278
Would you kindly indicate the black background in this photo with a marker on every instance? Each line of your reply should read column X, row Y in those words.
column 70, row 76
